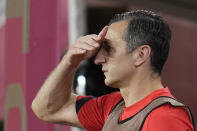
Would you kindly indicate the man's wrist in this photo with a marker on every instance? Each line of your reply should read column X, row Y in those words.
column 66, row 61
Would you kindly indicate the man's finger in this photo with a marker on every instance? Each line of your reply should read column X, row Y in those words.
column 102, row 34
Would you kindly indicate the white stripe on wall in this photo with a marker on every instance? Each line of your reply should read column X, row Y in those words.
column 2, row 12
column 77, row 19
column 77, row 25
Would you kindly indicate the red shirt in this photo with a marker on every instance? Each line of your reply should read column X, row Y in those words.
column 93, row 113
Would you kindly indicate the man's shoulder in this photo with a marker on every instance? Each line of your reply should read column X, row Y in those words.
column 168, row 116
column 105, row 101
column 110, row 99
column 96, row 109
column 169, row 110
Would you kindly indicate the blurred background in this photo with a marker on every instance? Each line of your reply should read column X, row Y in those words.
column 34, row 34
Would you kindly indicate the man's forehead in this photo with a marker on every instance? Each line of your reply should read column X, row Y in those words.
column 120, row 25
column 116, row 30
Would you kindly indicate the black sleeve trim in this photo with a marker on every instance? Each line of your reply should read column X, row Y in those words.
column 192, row 117
column 81, row 102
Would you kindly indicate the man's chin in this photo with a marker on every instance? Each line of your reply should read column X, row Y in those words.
column 110, row 84
column 107, row 82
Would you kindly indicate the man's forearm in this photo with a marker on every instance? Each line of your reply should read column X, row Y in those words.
column 55, row 91
column 55, row 102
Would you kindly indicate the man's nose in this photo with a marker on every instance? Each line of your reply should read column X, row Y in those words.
column 100, row 58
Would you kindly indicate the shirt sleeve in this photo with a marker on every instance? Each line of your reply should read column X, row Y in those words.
column 168, row 118
column 92, row 112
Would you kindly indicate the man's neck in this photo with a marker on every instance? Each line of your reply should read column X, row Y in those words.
column 139, row 88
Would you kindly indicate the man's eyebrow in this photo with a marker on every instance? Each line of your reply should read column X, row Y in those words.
column 107, row 40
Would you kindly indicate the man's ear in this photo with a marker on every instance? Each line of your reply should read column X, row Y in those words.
column 142, row 54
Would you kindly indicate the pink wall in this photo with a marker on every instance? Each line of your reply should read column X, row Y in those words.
column 14, row 58
column 48, row 37
column 14, row 67
column 2, row 69
column 14, row 119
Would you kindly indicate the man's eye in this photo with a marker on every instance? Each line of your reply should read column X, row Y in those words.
column 107, row 48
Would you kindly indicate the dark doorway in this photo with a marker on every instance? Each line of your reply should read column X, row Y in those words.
column 1, row 125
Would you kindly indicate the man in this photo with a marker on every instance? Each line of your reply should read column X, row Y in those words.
column 132, row 51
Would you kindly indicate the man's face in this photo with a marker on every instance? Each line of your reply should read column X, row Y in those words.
column 117, row 63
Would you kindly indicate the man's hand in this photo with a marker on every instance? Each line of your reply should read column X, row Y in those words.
column 85, row 47
column 55, row 101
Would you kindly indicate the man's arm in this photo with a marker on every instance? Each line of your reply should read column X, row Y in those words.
column 55, row 101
